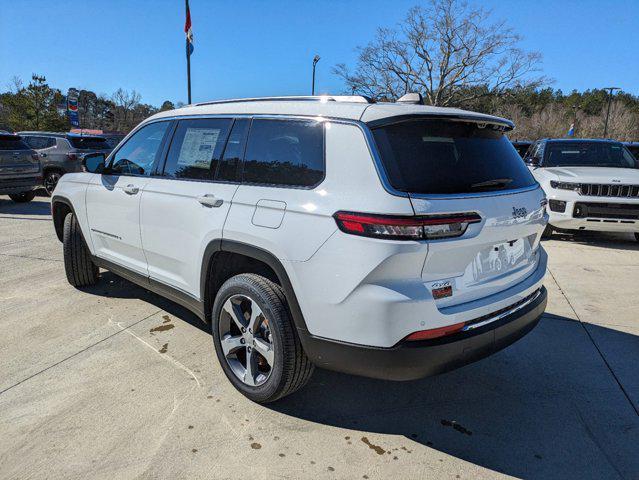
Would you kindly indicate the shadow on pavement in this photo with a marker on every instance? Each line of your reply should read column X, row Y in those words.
column 34, row 207
column 546, row 407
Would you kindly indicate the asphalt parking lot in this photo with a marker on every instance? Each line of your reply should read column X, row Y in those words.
column 116, row 382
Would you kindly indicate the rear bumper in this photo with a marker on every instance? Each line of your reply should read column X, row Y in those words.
column 20, row 184
column 412, row 360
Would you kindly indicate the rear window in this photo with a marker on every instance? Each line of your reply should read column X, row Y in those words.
column 587, row 154
column 444, row 157
column 92, row 143
column 10, row 142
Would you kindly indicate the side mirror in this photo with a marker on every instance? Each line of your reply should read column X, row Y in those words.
column 94, row 162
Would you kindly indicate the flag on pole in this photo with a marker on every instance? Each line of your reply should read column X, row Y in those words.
column 188, row 31
column 571, row 130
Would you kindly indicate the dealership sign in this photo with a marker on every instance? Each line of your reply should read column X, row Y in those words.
column 72, row 107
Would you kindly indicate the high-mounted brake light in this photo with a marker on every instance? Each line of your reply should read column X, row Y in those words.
column 399, row 227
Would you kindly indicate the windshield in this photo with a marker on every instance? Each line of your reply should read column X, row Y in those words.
column 588, row 154
column 445, row 157
column 94, row 143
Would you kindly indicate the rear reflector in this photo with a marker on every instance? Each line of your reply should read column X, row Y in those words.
column 436, row 332
column 398, row 227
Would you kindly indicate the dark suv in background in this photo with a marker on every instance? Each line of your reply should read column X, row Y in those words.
column 62, row 153
column 20, row 172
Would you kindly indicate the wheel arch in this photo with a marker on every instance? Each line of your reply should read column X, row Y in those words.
column 215, row 251
column 60, row 208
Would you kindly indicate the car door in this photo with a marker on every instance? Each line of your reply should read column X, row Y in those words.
column 186, row 207
column 113, row 198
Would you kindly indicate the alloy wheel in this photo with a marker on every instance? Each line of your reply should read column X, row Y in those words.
column 50, row 181
column 246, row 340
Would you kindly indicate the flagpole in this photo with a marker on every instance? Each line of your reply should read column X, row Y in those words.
column 188, row 60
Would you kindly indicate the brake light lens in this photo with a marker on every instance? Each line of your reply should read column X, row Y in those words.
column 436, row 332
column 400, row 227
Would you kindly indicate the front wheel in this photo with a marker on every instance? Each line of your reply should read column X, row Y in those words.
column 22, row 197
column 80, row 269
column 255, row 339
column 51, row 179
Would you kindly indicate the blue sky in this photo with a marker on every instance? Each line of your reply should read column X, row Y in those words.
column 254, row 48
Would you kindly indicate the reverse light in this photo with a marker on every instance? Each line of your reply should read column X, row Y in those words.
column 400, row 227
column 435, row 332
column 565, row 185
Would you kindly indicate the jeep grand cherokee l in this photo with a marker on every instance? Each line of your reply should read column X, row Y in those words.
column 590, row 184
column 388, row 240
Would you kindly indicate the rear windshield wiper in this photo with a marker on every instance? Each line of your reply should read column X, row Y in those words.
column 496, row 182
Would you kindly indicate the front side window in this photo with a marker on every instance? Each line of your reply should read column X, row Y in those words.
column 588, row 154
column 285, row 152
column 448, row 157
column 139, row 153
column 196, row 148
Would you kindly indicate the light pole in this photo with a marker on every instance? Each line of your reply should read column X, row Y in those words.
column 610, row 90
column 316, row 59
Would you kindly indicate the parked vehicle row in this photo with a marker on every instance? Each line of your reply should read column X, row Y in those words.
column 62, row 153
column 388, row 240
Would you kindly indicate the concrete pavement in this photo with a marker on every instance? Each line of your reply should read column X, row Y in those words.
column 116, row 382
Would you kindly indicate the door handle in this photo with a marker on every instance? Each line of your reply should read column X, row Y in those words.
column 131, row 189
column 210, row 200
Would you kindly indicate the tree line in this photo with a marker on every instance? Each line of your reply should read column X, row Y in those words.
column 39, row 106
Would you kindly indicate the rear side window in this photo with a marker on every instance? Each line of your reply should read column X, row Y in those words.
column 196, row 148
column 10, row 142
column 228, row 169
column 92, row 143
column 445, row 157
column 285, row 152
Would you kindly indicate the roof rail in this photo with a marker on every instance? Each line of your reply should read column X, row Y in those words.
column 308, row 98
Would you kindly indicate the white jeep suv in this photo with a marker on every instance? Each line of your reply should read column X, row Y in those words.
column 590, row 184
column 389, row 240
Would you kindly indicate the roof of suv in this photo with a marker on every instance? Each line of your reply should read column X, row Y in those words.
column 570, row 140
column 338, row 107
column 58, row 134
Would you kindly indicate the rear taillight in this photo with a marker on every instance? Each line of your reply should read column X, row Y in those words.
column 435, row 332
column 397, row 227
column 72, row 156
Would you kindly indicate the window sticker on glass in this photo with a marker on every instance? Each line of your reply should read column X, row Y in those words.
column 198, row 146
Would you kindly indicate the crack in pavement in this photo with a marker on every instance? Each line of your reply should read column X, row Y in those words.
column 79, row 352
column 592, row 340
column 30, row 257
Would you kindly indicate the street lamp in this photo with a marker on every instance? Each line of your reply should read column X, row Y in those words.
column 610, row 90
column 316, row 59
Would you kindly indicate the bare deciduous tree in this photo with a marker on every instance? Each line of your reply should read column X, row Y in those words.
column 448, row 51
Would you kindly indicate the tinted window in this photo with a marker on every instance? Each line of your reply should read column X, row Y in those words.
column 587, row 154
column 284, row 152
column 36, row 142
column 233, row 153
column 444, row 157
column 196, row 148
column 93, row 143
column 10, row 142
column 137, row 155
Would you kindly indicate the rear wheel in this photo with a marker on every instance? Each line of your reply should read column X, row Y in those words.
column 51, row 179
column 23, row 197
column 80, row 269
column 255, row 339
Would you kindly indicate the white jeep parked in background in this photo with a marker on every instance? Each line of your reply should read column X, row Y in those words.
column 390, row 240
column 590, row 184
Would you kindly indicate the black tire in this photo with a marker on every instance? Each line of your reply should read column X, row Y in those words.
column 637, row 237
column 80, row 269
column 51, row 179
column 292, row 369
column 547, row 232
column 23, row 197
